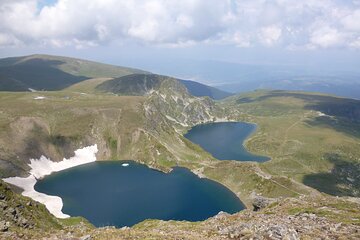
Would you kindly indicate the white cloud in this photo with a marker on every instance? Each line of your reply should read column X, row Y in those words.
column 8, row 40
column 355, row 43
column 327, row 37
column 245, row 23
column 352, row 21
column 270, row 35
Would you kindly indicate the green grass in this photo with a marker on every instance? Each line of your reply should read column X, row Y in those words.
column 45, row 72
column 290, row 133
column 73, row 221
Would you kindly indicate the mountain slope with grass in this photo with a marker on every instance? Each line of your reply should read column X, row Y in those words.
column 202, row 90
column 45, row 72
column 144, row 84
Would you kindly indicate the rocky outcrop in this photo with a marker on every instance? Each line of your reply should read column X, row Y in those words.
column 260, row 202
column 174, row 103
column 17, row 212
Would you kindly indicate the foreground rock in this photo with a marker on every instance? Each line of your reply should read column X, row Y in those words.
column 291, row 218
column 260, row 202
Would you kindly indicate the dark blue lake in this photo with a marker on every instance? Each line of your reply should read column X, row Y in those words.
column 107, row 193
column 225, row 140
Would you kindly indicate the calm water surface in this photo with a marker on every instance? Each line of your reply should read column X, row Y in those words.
column 225, row 140
column 108, row 193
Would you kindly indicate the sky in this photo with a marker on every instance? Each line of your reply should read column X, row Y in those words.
column 158, row 34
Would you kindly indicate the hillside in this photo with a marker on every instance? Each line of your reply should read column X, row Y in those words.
column 144, row 84
column 45, row 72
column 133, row 85
column 201, row 90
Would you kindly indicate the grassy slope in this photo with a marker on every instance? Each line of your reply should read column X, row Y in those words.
column 133, row 85
column 45, row 72
column 87, row 86
column 62, row 122
column 74, row 66
column 142, row 84
column 201, row 90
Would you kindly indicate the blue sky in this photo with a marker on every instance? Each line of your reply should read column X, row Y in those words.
column 154, row 34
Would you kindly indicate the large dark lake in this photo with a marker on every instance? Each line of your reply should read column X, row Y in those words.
column 225, row 140
column 109, row 193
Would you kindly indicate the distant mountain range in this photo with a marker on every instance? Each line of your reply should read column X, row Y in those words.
column 45, row 72
column 244, row 77
column 142, row 84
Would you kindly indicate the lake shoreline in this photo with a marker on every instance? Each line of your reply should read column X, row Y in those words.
column 215, row 137
column 135, row 192
column 43, row 167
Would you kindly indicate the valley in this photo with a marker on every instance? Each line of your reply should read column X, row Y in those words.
column 312, row 141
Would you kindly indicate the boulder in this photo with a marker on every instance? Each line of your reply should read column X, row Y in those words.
column 4, row 226
column 261, row 202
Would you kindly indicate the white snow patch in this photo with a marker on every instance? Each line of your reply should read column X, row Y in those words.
column 157, row 152
column 320, row 114
column 163, row 96
column 174, row 120
column 150, row 92
column 53, row 203
column 175, row 98
column 125, row 164
column 225, row 119
column 39, row 97
column 44, row 166
column 31, row 90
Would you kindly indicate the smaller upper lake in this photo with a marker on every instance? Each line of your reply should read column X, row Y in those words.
column 122, row 193
column 225, row 140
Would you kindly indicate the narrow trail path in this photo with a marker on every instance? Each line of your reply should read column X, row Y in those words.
column 286, row 138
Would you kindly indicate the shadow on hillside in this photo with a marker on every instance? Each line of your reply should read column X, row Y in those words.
column 340, row 125
column 341, row 114
column 342, row 180
column 39, row 74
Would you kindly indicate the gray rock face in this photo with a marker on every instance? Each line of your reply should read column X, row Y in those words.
column 87, row 237
column 2, row 196
column 14, row 214
column 174, row 102
column 4, row 226
column 261, row 202
column 3, row 205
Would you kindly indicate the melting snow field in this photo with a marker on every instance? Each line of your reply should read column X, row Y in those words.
column 44, row 166
column 39, row 98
